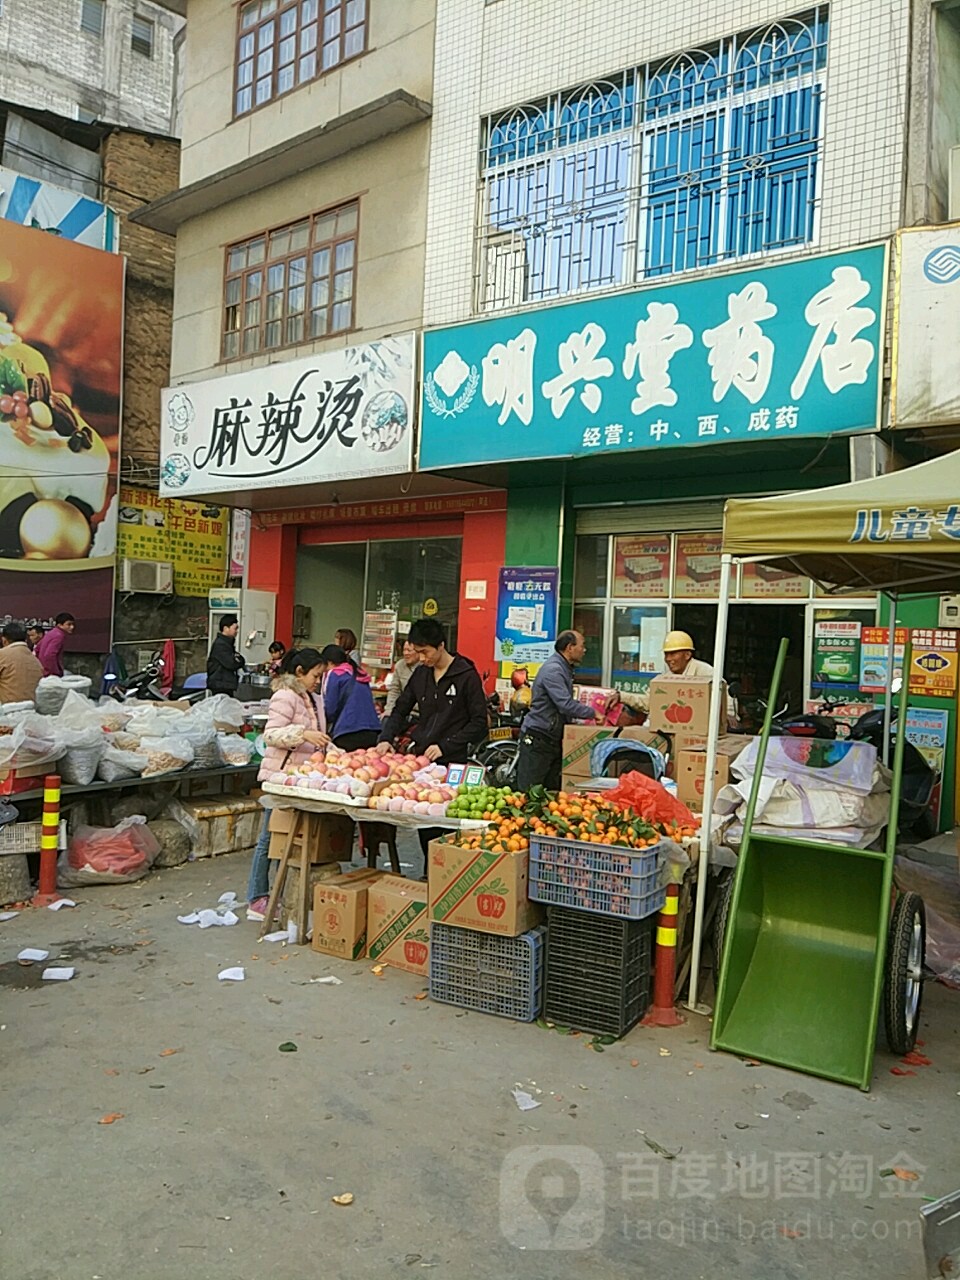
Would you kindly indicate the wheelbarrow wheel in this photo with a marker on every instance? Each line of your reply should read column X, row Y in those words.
column 724, row 895
column 903, row 978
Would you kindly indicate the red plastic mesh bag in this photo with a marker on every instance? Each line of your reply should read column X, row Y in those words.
column 651, row 800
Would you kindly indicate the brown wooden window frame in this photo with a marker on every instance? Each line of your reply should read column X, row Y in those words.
column 266, row 275
column 283, row 44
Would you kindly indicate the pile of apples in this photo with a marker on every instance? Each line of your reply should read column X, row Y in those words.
column 426, row 795
column 355, row 773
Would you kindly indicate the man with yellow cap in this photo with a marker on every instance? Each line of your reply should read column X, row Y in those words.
column 678, row 656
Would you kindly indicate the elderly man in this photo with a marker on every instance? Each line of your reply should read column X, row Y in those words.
column 551, row 707
column 680, row 664
column 20, row 670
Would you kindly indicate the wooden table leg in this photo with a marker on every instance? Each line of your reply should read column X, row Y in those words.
column 281, row 877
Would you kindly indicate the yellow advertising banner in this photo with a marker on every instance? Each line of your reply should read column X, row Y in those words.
column 192, row 536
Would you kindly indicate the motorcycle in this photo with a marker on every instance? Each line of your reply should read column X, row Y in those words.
column 145, row 687
column 500, row 753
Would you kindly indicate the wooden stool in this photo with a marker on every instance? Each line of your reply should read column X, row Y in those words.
column 371, row 835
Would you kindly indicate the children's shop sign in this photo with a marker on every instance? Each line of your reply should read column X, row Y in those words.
column 771, row 353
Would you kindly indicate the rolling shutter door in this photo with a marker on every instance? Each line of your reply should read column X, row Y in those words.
column 652, row 517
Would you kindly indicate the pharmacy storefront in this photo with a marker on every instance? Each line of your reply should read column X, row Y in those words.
column 642, row 412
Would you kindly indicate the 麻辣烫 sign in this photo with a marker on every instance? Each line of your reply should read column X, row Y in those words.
column 770, row 353
column 336, row 415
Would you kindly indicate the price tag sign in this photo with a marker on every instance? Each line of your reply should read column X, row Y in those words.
column 455, row 775
column 474, row 776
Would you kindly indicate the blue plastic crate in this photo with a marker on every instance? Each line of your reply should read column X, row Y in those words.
column 605, row 879
column 485, row 972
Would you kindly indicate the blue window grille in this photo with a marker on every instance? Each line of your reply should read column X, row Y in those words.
column 702, row 159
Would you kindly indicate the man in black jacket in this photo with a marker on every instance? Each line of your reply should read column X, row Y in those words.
column 447, row 692
column 224, row 664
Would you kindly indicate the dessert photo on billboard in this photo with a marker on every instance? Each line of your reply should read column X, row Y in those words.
column 61, row 336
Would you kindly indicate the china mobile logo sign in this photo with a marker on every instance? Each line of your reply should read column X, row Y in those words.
column 566, row 1199
column 942, row 265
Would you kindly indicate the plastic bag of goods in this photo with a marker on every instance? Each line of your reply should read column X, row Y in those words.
column 165, row 755
column 108, row 855
column 117, row 765
column 651, row 801
column 202, row 736
column 155, row 721
column 52, row 692
column 113, row 717
column 223, row 712
column 32, row 740
column 235, row 750
column 8, row 709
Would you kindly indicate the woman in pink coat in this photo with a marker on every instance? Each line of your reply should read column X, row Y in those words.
column 295, row 729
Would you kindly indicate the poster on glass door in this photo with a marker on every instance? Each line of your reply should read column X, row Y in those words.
column 526, row 615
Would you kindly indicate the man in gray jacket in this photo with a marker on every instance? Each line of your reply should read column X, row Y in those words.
column 552, row 706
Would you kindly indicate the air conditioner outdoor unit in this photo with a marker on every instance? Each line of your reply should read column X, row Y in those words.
column 154, row 577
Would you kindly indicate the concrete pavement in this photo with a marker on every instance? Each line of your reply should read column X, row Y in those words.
column 227, row 1152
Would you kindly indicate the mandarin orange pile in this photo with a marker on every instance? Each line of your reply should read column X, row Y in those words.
column 591, row 819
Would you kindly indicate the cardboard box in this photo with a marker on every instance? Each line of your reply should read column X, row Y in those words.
column 25, row 778
column 332, row 835
column 340, row 914
column 690, row 769
column 479, row 889
column 681, row 706
column 398, row 924
column 221, row 824
column 578, row 740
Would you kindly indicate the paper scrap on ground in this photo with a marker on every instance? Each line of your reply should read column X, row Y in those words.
column 58, row 975
column 8, row 915
column 208, row 917
column 227, row 899
column 232, row 975
column 60, row 902
column 330, row 981
column 32, row 953
column 278, row 935
column 524, row 1100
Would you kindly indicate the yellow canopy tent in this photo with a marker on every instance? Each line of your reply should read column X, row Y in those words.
column 897, row 533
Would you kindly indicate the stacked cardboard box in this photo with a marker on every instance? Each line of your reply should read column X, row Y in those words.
column 480, row 889
column 331, row 835
column 340, row 906
column 690, row 768
column 398, row 924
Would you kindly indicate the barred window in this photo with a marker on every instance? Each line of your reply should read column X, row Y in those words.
column 292, row 284
column 697, row 160
column 285, row 43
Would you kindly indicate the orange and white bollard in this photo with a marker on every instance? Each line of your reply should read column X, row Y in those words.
column 49, row 842
column 662, row 1012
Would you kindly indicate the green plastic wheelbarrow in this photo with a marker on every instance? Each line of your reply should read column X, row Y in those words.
column 813, row 940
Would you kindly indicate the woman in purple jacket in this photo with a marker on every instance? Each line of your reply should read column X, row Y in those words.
column 352, row 720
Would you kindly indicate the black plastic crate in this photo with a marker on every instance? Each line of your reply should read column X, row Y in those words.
column 599, row 971
column 488, row 973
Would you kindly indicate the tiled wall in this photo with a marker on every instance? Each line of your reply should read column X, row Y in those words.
column 494, row 55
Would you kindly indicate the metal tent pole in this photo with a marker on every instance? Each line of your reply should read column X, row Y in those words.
column 709, row 782
column 888, row 694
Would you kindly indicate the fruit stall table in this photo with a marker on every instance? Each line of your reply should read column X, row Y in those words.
column 308, row 805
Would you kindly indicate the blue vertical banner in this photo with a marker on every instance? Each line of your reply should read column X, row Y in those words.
column 526, row 615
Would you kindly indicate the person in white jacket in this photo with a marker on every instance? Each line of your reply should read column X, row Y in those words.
column 399, row 677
